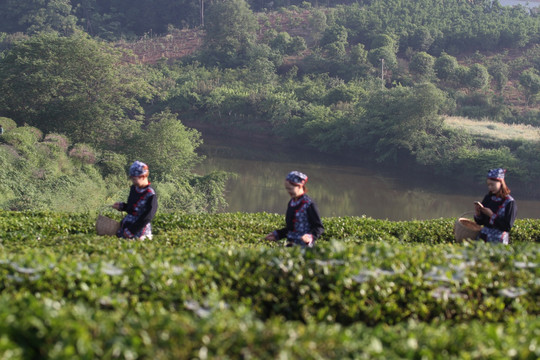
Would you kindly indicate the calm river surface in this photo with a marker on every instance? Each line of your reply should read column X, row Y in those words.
column 339, row 188
column 530, row 4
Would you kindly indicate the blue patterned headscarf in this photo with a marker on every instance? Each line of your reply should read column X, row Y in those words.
column 497, row 174
column 138, row 169
column 297, row 178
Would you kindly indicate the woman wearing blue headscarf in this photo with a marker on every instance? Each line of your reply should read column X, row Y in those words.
column 303, row 222
column 140, row 207
column 497, row 211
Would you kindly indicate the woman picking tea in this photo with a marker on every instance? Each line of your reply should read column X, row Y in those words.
column 497, row 211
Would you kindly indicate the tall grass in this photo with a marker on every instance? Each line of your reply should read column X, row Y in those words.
column 494, row 130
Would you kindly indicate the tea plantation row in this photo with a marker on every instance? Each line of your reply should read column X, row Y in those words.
column 208, row 286
column 244, row 228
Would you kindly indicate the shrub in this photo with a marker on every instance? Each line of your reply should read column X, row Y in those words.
column 60, row 140
column 422, row 65
column 83, row 153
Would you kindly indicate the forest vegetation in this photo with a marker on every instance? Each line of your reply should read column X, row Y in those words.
column 88, row 85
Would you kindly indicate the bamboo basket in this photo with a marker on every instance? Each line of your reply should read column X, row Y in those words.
column 465, row 228
column 106, row 226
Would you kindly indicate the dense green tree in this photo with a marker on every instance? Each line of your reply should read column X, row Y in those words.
column 397, row 120
column 422, row 65
column 445, row 66
column 72, row 85
column 55, row 15
column 262, row 71
column 386, row 53
column 285, row 44
column 296, row 46
column 530, row 81
column 10, row 13
column 231, row 29
column 336, row 50
column 383, row 40
column 421, row 39
column 113, row 19
column 329, row 129
column 33, row 16
column 443, row 148
column 534, row 55
column 345, row 93
column 333, row 34
column 461, row 75
column 317, row 23
column 281, row 42
column 168, row 145
column 358, row 54
column 477, row 77
column 499, row 72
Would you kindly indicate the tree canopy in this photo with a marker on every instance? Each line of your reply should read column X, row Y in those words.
column 74, row 85
column 231, row 29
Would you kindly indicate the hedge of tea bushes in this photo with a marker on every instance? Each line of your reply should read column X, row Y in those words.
column 37, row 327
column 208, row 286
column 338, row 281
column 249, row 228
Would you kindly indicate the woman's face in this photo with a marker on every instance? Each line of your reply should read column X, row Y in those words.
column 139, row 181
column 493, row 186
column 294, row 190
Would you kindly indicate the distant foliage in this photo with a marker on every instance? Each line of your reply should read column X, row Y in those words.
column 377, row 55
column 367, row 77
column 499, row 71
column 477, row 77
column 530, row 80
column 83, row 153
column 445, row 67
column 230, row 32
column 44, row 174
column 51, row 173
column 422, row 65
column 168, row 145
column 70, row 85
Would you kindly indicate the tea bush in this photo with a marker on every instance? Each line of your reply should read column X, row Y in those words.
column 209, row 286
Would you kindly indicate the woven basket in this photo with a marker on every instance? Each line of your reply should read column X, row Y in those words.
column 106, row 226
column 465, row 228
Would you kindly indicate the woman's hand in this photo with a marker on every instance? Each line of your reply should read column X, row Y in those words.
column 117, row 205
column 271, row 237
column 478, row 208
column 486, row 211
column 307, row 238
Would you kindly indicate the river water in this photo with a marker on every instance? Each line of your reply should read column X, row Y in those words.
column 339, row 187
column 530, row 4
